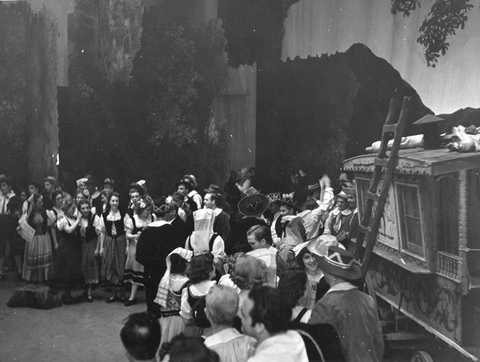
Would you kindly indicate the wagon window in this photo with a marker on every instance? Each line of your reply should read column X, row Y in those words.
column 448, row 214
column 410, row 221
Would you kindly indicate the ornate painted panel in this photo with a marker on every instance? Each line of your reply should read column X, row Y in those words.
column 429, row 298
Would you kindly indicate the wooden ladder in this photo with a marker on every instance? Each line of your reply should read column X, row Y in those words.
column 383, row 164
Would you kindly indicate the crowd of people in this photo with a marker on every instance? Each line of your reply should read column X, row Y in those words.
column 233, row 275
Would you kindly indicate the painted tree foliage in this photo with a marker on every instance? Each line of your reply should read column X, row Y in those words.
column 443, row 20
column 157, row 123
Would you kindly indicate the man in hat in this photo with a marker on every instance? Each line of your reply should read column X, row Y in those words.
column 252, row 208
column 192, row 193
column 95, row 199
column 352, row 312
column 221, row 225
column 8, row 219
column 49, row 184
column 109, row 185
column 339, row 220
column 184, row 187
column 154, row 244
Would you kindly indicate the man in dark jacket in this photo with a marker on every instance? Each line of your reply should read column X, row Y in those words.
column 154, row 244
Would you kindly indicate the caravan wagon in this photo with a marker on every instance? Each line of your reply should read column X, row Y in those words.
column 426, row 259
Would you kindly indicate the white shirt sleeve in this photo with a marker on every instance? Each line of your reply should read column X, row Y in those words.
column 98, row 224
column 218, row 248
column 185, row 308
column 62, row 223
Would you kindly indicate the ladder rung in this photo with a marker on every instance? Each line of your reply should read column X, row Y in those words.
column 390, row 128
column 372, row 196
column 365, row 229
column 383, row 162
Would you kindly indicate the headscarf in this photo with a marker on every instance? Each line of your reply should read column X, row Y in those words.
column 164, row 285
column 203, row 231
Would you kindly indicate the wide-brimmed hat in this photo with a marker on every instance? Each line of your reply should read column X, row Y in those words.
column 341, row 263
column 319, row 246
column 214, row 189
column 253, row 205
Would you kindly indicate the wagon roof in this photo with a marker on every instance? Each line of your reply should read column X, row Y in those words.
column 418, row 161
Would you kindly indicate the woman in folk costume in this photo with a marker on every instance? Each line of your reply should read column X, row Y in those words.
column 204, row 240
column 134, row 227
column 38, row 260
column 201, row 273
column 66, row 225
column 89, row 229
column 170, row 292
column 114, row 247
column 56, row 213
column 338, row 222
column 316, row 286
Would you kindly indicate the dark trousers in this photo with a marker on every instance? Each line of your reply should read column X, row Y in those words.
column 151, row 281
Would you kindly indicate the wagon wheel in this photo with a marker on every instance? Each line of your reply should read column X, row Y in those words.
column 421, row 356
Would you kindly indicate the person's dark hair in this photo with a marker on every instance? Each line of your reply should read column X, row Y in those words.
column 312, row 204
column 216, row 197
column 261, row 232
column 179, row 264
column 36, row 197
column 67, row 205
column 113, row 194
column 141, row 335
column 188, row 349
column 299, row 257
column 187, row 185
column 82, row 202
column 293, row 284
column 270, row 308
column 55, row 194
column 199, row 268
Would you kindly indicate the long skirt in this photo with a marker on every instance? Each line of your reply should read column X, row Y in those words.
column 133, row 269
column 59, row 259
column 89, row 262
column 38, row 259
column 73, row 262
column 170, row 327
column 114, row 259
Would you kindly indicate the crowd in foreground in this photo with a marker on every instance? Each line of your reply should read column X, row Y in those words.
column 271, row 281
